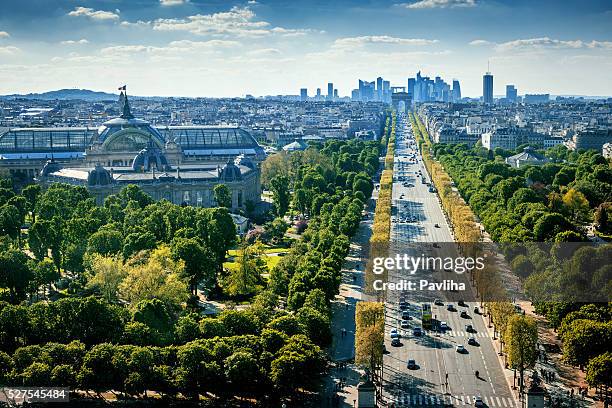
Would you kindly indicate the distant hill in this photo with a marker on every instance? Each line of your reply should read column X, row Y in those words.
column 65, row 94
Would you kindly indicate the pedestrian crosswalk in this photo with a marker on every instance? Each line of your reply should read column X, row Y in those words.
column 458, row 333
column 408, row 400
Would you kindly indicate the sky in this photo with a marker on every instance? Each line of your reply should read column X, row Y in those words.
column 216, row 48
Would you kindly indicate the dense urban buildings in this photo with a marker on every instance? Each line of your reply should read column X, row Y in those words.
column 577, row 123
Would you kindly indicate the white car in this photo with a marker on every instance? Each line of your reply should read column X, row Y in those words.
column 394, row 334
column 459, row 348
column 478, row 401
column 443, row 326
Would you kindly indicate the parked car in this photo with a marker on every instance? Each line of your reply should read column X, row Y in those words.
column 405, row 324
column 405, row 315
column 444, row 326
column 411, row 365
column 394, row 334
column 396, row 342
column 417, row 331
column 450, row 307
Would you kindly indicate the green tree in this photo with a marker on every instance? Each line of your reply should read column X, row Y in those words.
column 280, row 194
column 158, row 278
column 45, row 273
column 577, row 206
column 32, row 193
column 138, row 241
column 243, row 279
column 599, row 373
column 10, row 221
column 15, row 274
column 199, row 261
column 521, row 339
column 223, row 196
column 107, row 274
column 298, row 356
column 105, row 242
column 585, row 339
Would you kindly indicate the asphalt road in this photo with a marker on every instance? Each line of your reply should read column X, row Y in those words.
column 442, row 376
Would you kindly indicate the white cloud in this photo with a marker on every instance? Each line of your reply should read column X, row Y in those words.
column 264, row 52
column 175, row 47
column 94, row 14
column 478, row 43
column 9, row 50
column 138, row 23
column 74, row 42
column 238, row 21
column 4, row 34
column 172, row 2
column 352, row 42
column 422, row 4
column 549, row 43
column 252, row 2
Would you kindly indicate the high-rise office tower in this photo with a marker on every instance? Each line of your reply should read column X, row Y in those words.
column 366, row 90
column 355, row 95
column 456, row 90
column 487, row 88
column 318, row 93
column 335, row 94
column 330, row 90
column 303, row 94
column 511, row 93
column 411, row 82
column 379, row 90
column 387, row 91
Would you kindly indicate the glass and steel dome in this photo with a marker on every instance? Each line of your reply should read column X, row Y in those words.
column 99, row 176
column 230, row 172
column 127, row 133
column 148, row 158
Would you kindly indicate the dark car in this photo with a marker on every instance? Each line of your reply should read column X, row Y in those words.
column 461, row 303
column 465, row 315
column 396, row 342
column 411, row 365
column 472, row 341
column 469, row 328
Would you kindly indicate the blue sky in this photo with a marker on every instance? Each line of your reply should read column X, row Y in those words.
column 224, row 48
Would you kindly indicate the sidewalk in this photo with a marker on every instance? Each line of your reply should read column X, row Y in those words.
column 565, row 378
column 340, row 386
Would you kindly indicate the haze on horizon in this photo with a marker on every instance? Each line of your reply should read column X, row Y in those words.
column 267, row 47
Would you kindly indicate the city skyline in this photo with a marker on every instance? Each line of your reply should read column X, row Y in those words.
column 187, row 48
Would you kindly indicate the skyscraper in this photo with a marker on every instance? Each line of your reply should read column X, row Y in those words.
column 511, row 93
column 335, row 93
column 411, row 82
column 318, row 93
column 386, row 91
column 330, row 91
column 303, row 94
column 379, row 90
column 456, row 90
column 487, row 88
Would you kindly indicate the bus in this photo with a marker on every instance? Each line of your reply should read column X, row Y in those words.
column 426, row 320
